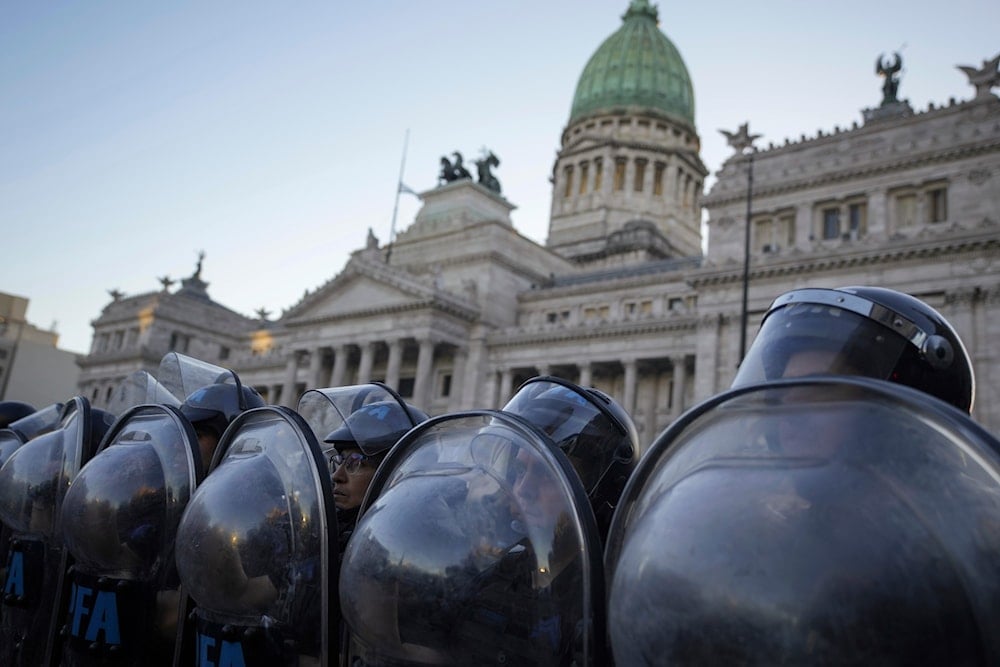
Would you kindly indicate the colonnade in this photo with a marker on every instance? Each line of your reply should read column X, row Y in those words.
column 406, row 364
column 653, row 391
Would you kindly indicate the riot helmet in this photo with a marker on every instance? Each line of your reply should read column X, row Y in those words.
column 38, row 422
column 870, row 331
column 593, row 430
column 11, row 411
column 214, row 406
column 376, row 427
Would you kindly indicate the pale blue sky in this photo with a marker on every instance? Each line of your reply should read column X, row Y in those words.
column 269, row 135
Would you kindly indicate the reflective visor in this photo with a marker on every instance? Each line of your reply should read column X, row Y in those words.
column 820, row 339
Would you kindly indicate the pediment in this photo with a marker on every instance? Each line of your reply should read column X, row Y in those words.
column 355, row 295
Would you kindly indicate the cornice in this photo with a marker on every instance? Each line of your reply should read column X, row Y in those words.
column 813, row 263
column 434, row 303
column 762, row 189
column 547, row 336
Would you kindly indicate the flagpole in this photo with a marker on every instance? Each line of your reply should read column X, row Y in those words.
column 399, row 190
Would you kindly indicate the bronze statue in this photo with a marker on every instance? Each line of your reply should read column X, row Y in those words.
column 453, row 171
column 890, row 71
column 741, row 139
column 984, row 78
column 486, row 178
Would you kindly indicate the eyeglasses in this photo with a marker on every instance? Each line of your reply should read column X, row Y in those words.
column 352, row 462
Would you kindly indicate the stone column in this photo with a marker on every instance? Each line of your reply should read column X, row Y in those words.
column 680, row 386
column 543, row 369
column 460, row 357
column 315, row 368
column 586, row 374
column 421, row 385
column 339, row 366
column 365, row 365
column 288, row 397
column 506, row 379
column 631, row 375
column 393, row 364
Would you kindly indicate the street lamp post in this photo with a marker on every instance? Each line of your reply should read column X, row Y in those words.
column 746, row 256
column 742, row 141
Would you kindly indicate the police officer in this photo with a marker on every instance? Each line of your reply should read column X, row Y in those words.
column 478, row 542
column 359, row 445
column 826, row 510
column 210, row 409
column 871, row 331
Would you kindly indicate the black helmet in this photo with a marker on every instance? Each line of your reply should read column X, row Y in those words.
column 376, row 427
column 11, row 411
column 215, row 405
column 593, row 430
column 869, row 331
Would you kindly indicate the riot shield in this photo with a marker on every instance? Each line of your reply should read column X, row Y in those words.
column 476, row 544
column 810, row 521
column 179, row 375
column 33, row 484
column 326, row 410
column 119, row 520
column 141, row 388
column 254, row 548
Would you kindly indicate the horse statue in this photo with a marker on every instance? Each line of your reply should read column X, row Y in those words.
column 486, row 178
column 453, row 171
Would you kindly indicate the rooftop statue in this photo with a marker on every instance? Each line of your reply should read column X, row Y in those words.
column 890, row 71
column 486, row 178
column 453, row 171
column 985, row 78
column 741, row 139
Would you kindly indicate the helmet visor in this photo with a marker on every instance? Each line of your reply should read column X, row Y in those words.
column 819, row 339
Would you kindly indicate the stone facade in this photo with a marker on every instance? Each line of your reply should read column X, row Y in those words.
column 461, row 308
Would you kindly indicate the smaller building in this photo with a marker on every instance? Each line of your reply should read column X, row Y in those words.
column 32, row 367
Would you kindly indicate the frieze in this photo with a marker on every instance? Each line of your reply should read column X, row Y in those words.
column 513, row 338
column 926, row 159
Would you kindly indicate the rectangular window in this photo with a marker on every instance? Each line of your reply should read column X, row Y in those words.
column 831, row 223
column 676, row 304
column 640, row 175
column 786, row 230
column 598, row 172
column 406, row 387
column 763, row 231
column 658, row 170
column 646, row 308
column 569, row 182
column 856, row 218
column 119, row 340
column 937, row 205
column 630, row 309
column 589, row 313
column 446, row 385
column 619, row 174
column 551, row 318
column 223, row 352
column 583, row 177
column 906, row 210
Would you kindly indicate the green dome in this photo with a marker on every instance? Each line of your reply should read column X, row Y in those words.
column 637, row 66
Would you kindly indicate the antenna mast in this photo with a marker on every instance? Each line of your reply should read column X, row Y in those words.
column 399, row 190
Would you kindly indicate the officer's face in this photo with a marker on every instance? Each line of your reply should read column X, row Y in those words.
column 207, row 442
column 349, row 488
column 536, row 491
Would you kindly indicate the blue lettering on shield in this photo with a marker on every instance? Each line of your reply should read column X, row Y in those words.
column 15, row 574
column 230, row 653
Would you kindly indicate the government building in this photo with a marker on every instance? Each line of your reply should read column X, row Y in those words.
column 632, row 292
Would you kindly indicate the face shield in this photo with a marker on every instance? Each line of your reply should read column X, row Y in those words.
column 820, row 339
column 576, row 424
